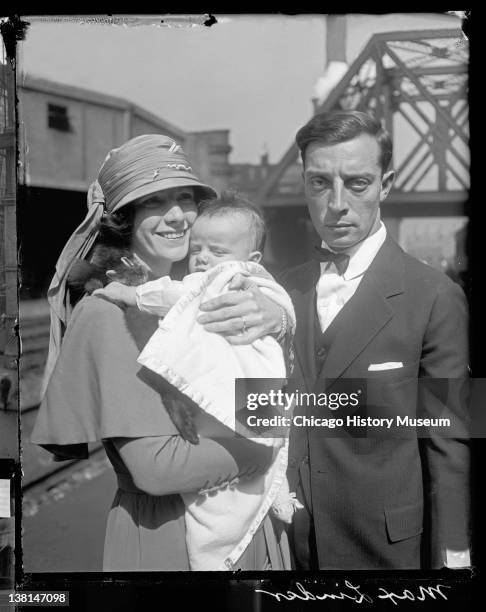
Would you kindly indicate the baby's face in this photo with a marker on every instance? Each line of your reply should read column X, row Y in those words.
column 217, row 239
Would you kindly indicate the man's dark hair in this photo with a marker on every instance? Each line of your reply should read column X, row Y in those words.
column 230, row 202
column 340, row 126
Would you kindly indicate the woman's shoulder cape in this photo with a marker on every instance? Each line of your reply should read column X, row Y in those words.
column 97, row 389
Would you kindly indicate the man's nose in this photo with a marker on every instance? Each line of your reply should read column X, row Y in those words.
column 337, row 201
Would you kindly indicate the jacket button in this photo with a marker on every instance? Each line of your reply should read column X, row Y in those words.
column 321, row 353
column 292, row 462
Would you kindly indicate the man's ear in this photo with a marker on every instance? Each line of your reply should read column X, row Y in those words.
column 255, row 256
column 386, row 184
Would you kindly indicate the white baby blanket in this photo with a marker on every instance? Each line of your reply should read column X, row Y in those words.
column 204, row 366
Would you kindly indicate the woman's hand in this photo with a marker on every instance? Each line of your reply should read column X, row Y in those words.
column 242, row 315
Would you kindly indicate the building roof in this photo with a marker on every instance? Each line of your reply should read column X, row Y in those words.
column 87, row 95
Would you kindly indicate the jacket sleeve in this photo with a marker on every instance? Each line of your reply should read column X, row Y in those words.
column 443, row 393
column 168, row 464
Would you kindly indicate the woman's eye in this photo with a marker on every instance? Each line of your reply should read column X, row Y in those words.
column 153, row 203
column 186, row 197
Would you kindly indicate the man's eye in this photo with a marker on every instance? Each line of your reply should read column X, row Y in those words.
column 219, row 252
column 317, row 182
column 358, row 184
column 186, row 197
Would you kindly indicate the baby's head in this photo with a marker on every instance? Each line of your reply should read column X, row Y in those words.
column 227, row 229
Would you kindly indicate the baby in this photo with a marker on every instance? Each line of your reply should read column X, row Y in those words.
column 226, row 239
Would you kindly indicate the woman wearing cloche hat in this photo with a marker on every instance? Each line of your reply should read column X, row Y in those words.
column 140, row 211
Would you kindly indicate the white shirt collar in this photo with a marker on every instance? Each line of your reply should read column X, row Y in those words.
column 361, row 255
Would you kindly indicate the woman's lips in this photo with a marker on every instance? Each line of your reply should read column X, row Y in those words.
column 173, row 235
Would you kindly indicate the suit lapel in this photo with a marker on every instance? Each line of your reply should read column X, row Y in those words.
column 368, row 311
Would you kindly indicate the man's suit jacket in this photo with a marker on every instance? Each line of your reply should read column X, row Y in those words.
column 395, row 502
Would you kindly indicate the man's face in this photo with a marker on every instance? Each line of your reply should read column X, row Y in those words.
column 344, row 187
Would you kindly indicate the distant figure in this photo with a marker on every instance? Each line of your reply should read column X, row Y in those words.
column 5, row 386
column 7, row 545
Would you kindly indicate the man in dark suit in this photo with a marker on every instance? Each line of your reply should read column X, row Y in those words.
column 370, row 315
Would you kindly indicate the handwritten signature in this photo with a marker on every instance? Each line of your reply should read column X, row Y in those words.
column 354, row 593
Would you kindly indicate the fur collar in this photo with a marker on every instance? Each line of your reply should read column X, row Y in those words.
column 87, row 275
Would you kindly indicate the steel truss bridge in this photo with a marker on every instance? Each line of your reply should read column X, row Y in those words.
column 415, row 83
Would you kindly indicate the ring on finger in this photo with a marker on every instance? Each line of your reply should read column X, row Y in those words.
column 244, row 327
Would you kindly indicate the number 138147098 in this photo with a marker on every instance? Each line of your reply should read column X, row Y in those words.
column 35, row 598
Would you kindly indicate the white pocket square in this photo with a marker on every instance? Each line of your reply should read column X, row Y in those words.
column 389, row 365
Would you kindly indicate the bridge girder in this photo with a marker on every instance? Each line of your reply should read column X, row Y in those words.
column 415, row 83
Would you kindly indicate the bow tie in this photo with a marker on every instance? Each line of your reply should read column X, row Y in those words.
column 340, row 260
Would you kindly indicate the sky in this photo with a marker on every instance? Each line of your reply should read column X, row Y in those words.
column 251, row 74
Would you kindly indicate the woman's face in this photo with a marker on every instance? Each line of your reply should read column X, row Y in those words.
column 161, row 227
